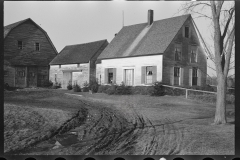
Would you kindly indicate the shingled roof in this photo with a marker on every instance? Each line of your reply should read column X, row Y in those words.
column 79, row 53
column 141, row 39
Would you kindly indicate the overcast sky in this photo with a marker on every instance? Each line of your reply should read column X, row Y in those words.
column 72, row 22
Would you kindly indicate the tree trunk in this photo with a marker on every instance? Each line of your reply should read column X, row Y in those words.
column 220, row 115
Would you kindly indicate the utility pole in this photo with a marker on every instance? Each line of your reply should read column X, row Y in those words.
column 123, row 18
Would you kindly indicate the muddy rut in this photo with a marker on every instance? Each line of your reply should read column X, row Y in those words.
column 107, row 131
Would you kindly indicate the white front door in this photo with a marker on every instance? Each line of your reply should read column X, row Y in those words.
column 129, row 77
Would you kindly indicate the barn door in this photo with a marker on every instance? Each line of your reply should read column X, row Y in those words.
column 32, row 77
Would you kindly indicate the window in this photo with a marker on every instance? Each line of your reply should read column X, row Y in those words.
column 78, row 65
column 194, row 76
column 5, row 73
column 193, row 54
column 37, row 46
column 186, row 32
column 176, row 75
column 31, row 74
column 59, row 66
column 177, row 53
column 21, row 73
column 110, row 76
column 129, row 76
column 20, row 45
column 149, row 74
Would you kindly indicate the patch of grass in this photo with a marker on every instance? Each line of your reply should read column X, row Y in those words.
column 24, row 125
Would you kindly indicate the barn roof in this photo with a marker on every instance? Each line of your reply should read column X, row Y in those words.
column 79, row 53
column 10, row 27
column 142, row 39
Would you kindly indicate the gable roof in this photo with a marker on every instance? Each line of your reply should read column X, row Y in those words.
column 79, row 53
column 10, row 27
column 141, row 39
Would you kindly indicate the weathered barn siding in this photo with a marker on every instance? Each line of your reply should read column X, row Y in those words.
column 184, row 64
column 35, row 64
column 29, row 34
column 135, row 63
column 10, row 77
column 69, row 73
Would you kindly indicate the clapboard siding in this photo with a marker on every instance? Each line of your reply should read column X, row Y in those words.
column 169, row 62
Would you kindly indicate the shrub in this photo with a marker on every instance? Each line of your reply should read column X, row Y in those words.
column 230, row 99
column 85, row 87
column 76, row 88
column 69, row 86
column 103, row 88
column 94, row 85
column 56, row 85
column 143, row 90
column 122, row 89
column 208, row 88
column 158, row 89
column 111, row 90
column 47, row 83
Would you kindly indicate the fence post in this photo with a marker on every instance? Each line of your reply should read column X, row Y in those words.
column 186, row 93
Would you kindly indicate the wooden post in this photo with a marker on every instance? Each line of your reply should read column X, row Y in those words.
column 186, row 93
column 26, row 77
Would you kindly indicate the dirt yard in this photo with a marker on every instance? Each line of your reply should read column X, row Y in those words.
column 83, row 124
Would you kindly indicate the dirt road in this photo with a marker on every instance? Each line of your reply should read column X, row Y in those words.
column 134, row 126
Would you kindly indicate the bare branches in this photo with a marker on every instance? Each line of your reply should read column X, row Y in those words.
column 230, row 40
column 219, row 7
column 231, row 11
column 211, row 68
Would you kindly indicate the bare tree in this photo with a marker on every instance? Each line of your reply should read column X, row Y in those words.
column 222, row 16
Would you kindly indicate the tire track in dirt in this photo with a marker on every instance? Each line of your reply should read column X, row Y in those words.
column 108, row 131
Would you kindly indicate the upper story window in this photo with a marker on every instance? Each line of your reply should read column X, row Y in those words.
column 59, row 66
column 186, row 31
column 177, row 52
column 193, row 54
column 37, row 46
column 20, row 45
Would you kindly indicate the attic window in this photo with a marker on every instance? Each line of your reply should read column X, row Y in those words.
column 20, row 45
column 37, row 46
column 186, row 31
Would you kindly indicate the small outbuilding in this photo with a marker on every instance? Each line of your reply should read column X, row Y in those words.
column 75, row 64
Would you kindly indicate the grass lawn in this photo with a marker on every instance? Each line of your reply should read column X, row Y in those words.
column 169, row 125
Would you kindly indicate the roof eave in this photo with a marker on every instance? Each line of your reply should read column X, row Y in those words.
column 153, row 54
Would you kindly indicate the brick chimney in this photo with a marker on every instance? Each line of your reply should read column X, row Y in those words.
column 150, row 17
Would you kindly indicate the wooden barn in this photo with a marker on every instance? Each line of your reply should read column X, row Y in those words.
column 75, row 64
column 166, row 50
column 27, row 53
